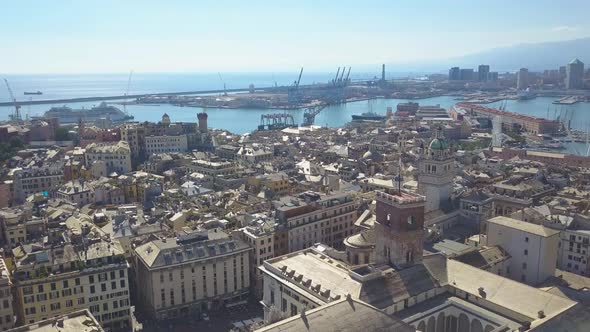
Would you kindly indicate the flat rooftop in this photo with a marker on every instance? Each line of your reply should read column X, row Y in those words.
column 523, row 226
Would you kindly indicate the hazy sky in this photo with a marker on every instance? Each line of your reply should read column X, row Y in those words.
column 86, row 36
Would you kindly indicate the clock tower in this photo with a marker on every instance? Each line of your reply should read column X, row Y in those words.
column 435, row 177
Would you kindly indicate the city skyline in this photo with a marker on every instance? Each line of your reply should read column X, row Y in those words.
column 108, row 36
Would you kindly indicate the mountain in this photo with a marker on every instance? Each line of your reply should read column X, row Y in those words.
column 534, row 56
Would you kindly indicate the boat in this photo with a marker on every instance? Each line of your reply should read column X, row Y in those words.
column 526, row 94
column 368, row 116
column 103, row 111
column 33, row 92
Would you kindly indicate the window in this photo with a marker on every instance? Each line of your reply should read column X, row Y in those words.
column 526, row 239
column 122, row 283
column 526, row 252
column 92, row 289
column 524, row 266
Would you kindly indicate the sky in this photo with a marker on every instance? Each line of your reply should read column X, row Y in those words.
column 115, row 36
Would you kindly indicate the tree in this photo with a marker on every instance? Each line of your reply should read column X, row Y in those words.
column 62, row 134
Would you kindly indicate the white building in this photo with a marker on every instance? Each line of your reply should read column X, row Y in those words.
column 117, row 156
column 191, row 274
column 165, row 144
column 533, row 248
column 77, row 192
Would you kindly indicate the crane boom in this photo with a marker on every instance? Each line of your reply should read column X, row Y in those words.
column 336, row 78
column 16, row 115
column 342, row 75
column 299, row 79
column 348, row 74
column 129, row 83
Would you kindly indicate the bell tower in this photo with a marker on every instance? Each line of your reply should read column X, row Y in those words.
column 435, row 177
column 399, row 227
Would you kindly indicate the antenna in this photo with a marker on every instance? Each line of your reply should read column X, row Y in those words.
column 399, row 178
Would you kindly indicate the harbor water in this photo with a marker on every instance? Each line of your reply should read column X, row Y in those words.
column 241, row 121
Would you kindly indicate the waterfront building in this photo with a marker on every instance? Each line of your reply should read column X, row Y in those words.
column 116, row 156
column 512, row 121
column 522, row 79
column 533, row 248
column 483, row 72
column 190, row 274
column 165, row 144
column 574, row 78
column 466, row 74
column 454, row 74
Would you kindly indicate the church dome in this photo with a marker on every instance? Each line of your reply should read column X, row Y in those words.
column 368, row 155
column 438, row 144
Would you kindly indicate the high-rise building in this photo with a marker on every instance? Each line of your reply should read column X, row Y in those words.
column 574, row 78
column 483, row 72
column 435, row 179
column 493, row 76
column 466, row 74
column 454, row 74
column 522, row 79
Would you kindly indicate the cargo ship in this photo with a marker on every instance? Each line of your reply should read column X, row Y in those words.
column 33, row 93
column 103, row 111
column 368, row 116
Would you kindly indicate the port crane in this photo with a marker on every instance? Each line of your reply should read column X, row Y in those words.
column 16, row 115
column 294, row 94
column 310, row 113
column 222, row 81
column 127, row 91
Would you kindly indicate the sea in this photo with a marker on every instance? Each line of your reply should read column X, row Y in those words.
column 242, row 121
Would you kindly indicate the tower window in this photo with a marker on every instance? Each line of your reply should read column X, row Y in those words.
column 411, row 220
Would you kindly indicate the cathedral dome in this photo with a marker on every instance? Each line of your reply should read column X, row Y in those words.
column 368, row 155
column 438, row 144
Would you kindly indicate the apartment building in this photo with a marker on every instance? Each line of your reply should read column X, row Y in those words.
column 20, row 226
column 134, row 135
column 33, row 180
column 165, row 144
column 212, row 168
column 190, row 274
column 70, row 322
column 6, row 310
column 574, row 254
column 317, row 218
column 277, row 183
column 260, row 236
column 533, row 248
column 117, row 156
column 77, row 192
column 87, row 274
